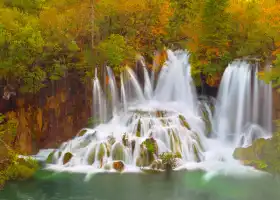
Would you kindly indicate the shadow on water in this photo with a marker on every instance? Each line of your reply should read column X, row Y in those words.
column 173, row 186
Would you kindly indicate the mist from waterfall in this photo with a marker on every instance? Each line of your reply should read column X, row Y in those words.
column 168, row 113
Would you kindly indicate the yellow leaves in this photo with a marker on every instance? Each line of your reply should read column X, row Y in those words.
column 73, row 19
column 165, row 12
column 121, row 6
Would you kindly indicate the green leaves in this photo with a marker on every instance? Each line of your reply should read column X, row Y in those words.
column 114, row 51
column 33, row 80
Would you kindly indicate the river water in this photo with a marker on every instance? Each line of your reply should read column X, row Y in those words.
column 138, row 186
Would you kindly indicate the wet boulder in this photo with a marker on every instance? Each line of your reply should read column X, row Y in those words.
column 184, row 122
column 67, row 157
column 118, row 165
column 111, row 139
column 138, row 130
column 50, row 158
column 157, row 164
column 91, row 156
column 170, row 160
column 118, row 151
column 101, row 154
column 125, row 140
column 148, row 152
column 82, row 133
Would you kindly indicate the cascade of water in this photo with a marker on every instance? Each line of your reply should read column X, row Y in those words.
column 123, row 95
column 238, row 109
column 148, row 122
column 165, row 120
column 114, row 91
column 99, row 102
column 148, row 89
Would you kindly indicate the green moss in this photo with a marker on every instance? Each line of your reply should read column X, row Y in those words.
column 208, row 125
column 18, row 169
column 196, row 154
column 198, row 140
column 50, row 158
column 175, row 141
column 151, row 146
column 138, row 131
column 125, row 139
column 91, row 156
column 67, row 157
column 101, row 152
column 263, row 154
column 82, row 133
column 184, row 122
column 168, row 160
column 118, row 152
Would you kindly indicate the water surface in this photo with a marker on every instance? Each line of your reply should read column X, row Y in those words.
column 176, row 186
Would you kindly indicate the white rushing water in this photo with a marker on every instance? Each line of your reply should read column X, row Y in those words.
column 168, row 116
column 244, row 106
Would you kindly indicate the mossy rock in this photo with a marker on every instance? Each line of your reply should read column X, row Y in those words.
column 111, row 140
column 263, row 154
column 91, row 156
column 138, row 130
column 157, row 164
column 151, row 145
column 125, row 139
column 108, row 149
column 118, row 152
column 184, row 122
column 257, row 164
column 133, row 142
column 17, row 169
column 168, row 160
column 102, row 151
column 175, row 142
column 21, row 169
column 196, row 153
column 50, row 159
column 198, row 140
column 19, row 172
column 67, row 157
column 82, row 133
column 118, row 166
column 139, row 162
column 208, row 125
column 28, row 162
column 148, row 151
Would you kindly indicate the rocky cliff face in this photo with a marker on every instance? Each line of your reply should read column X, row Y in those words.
column 50, row 117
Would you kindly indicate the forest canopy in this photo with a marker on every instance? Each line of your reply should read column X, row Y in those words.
column 42, row 39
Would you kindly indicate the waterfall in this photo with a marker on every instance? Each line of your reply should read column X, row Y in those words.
column 141, row 122
column 244, row 103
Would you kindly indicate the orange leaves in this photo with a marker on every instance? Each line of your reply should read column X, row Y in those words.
column 213, row 80
column 163, row 18
column 212, row 51
column 159, row 59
